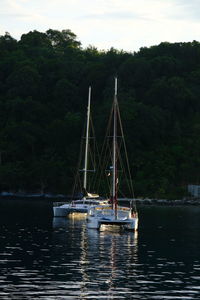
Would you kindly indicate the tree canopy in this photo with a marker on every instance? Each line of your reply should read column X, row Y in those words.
column 44, row 80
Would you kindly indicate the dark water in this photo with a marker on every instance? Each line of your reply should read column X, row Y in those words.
column 46, row 258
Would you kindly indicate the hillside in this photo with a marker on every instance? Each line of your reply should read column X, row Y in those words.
column 44, row 79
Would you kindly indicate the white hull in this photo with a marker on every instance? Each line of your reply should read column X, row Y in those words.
column 76, row 207
column 59, row 212
column 64, row 211
column 129, row 224
column 97, row 217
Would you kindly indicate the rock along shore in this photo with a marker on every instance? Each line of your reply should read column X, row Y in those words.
column 62, row 197
column 147, row 201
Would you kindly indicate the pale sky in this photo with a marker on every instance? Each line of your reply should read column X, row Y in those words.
column 123, row 24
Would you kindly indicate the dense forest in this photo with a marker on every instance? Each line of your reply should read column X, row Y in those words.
column 44, row 80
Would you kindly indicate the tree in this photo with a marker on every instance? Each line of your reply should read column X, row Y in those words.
column 7, row 44
column 23, row 82
column 62, row 39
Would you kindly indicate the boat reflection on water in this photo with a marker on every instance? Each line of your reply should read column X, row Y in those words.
column 61, row 222
column 112, row 255
column 95, row 263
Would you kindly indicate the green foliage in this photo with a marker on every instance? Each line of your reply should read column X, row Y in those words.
column 44, row 79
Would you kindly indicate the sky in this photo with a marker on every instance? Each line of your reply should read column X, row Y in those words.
column 123, row 24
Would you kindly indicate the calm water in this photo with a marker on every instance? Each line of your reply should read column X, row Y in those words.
column 42, row 257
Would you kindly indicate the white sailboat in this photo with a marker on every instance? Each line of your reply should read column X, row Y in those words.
column 113, row 214
column 89, row 200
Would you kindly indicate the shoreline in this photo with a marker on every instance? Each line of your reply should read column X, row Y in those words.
column 65, row 198
column 164, row 202
column 148, row 201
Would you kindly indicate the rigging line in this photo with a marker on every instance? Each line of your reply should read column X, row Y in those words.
column 92, row 178
column 103, row 165
column 124, row 166
column 100, row 170
column 95, row 160
column 77, row 181
column 96, row 163
column 126, row 154
column 92, row 147
column 105, row 144
column 125, row 179
column 126, row 182
column 108, row 163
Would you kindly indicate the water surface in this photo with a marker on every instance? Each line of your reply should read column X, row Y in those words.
column 42, row 257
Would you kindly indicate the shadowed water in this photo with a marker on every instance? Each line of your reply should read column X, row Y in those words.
column 42, row 257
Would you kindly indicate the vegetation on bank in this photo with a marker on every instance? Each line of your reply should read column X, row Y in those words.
column 44, row 79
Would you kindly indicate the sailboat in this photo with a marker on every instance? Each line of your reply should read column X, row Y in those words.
column 89, row 200
column 113, row 214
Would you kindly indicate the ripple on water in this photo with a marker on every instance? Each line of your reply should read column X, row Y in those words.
column 42, row 262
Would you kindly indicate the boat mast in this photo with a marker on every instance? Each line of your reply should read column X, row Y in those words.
column 87, row 142
column 114, row 182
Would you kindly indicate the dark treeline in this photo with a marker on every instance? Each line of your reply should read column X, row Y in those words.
column 44, row 79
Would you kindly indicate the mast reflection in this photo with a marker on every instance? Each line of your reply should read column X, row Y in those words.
column 98, row 262
column 107, row 258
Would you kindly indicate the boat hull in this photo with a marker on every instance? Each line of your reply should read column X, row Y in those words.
column 128, row 224
column 78, row 206
column 64, row 211
column 59, row 212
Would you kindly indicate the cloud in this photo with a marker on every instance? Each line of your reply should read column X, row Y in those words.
column 117, row 15
column 152, row 10
column 123, row 24
column 184, row 10
column 15, row 15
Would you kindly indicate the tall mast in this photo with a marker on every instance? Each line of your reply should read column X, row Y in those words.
column 87, row 141
column 114, row 182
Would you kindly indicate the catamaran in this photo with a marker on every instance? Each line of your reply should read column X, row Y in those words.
column 113, row 214
column 62, row 209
